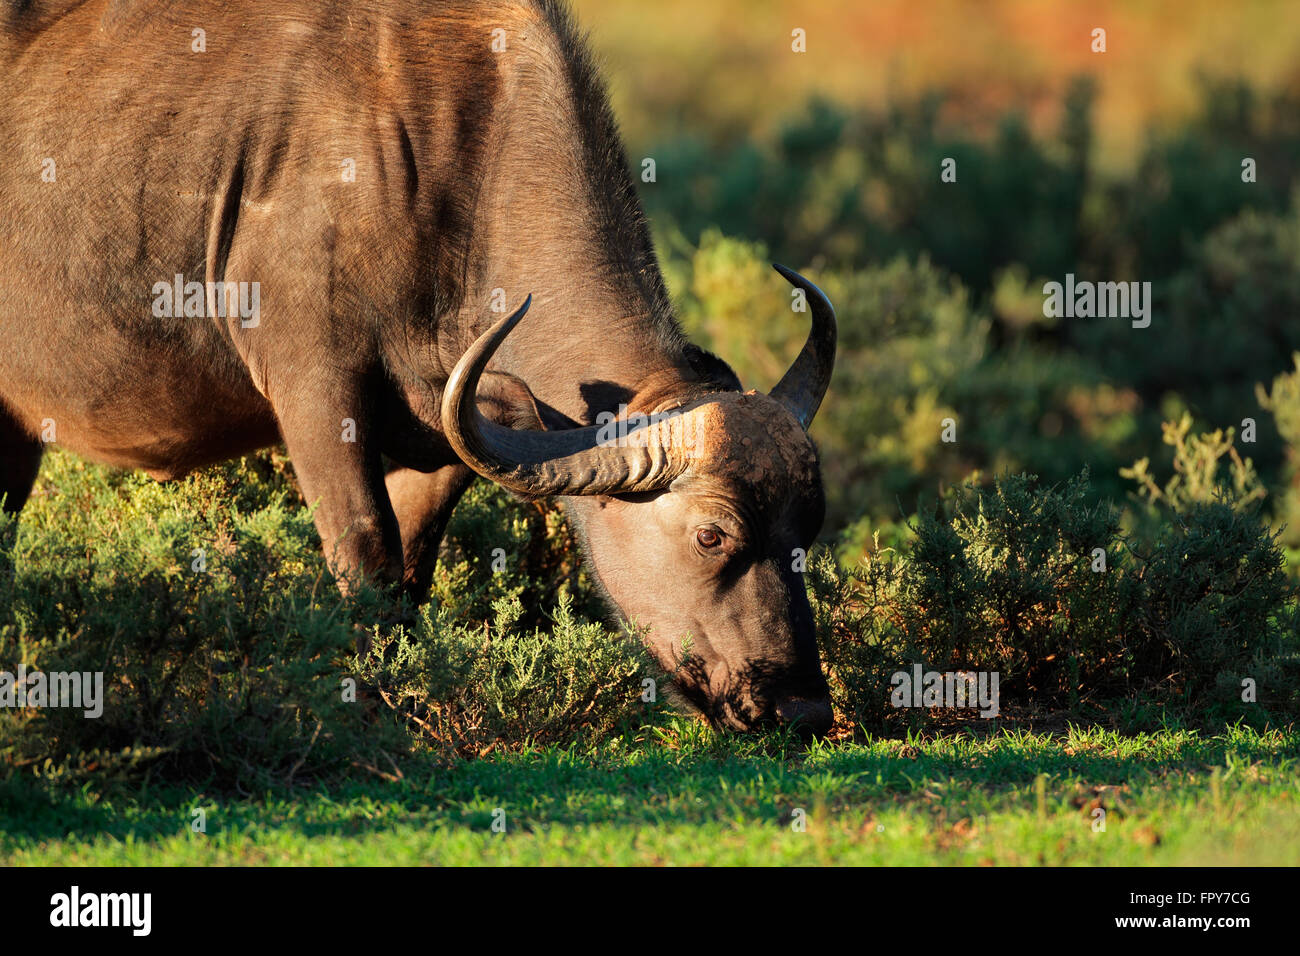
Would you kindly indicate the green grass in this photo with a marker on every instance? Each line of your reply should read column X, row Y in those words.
column 684, row 796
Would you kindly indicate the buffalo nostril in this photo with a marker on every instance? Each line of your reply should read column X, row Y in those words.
column 813, row 716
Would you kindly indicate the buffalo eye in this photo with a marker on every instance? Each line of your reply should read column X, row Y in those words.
column 708, row 538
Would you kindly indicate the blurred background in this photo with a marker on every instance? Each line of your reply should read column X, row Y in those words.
column 1115, row 166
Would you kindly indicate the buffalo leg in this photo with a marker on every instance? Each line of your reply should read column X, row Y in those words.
column 340, row 470
column 423, row 504
column 20, row 459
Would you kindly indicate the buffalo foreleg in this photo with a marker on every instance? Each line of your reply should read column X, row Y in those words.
column 423, row 503
column 336, row 457
column 20, row 459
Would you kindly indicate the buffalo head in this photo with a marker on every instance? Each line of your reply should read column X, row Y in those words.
column 694, row 520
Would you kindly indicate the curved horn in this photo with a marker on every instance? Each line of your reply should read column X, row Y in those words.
column 803, row 385
column 538, row 463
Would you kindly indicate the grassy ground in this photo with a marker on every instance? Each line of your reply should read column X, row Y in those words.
column 684, row 796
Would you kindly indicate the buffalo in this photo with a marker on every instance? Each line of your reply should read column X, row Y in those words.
column 225, row 225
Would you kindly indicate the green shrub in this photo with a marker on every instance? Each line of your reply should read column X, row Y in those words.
column 1197, row 479
column 1010, row 578
column 236, row 665
column 506, row 650
column 1218, row 609
column 472, row 689
column 852, row 186
column 1283, row 401
column 220, row 638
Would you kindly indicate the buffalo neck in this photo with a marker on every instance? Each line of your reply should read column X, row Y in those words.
column 557, row 217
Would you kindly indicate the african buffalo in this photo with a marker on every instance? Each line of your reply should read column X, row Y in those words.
column 229, row 223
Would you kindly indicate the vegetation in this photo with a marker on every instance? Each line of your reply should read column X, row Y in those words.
column 679, row 795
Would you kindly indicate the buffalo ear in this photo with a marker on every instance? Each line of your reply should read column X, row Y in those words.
column 507, row 400
column 711, row 370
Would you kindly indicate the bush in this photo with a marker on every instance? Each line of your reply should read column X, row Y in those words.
column 472, row 689
column 506, row 651
column 228, row 654
column 1283, row 401
column 499, row 549
column 219, row 636
column 852, row 186
column 1042, row 587
column 1197, row 479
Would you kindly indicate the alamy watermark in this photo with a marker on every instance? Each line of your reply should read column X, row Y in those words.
column 952, row 689
column 78, row 909
column 81, row 690
column 195, row 300
column 1102, row 300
